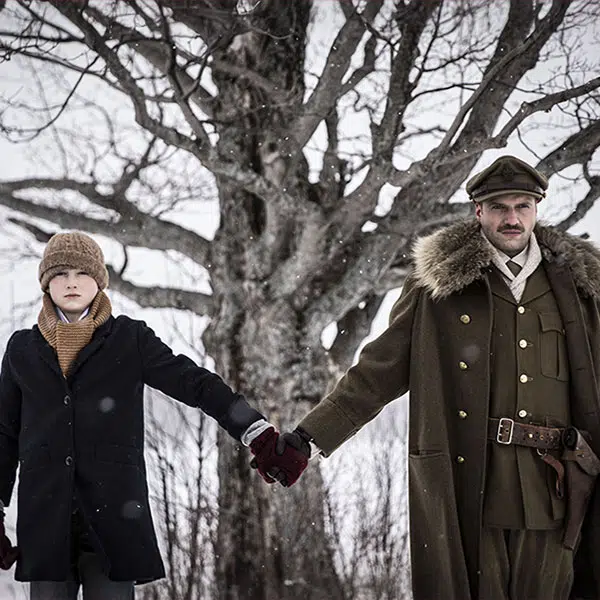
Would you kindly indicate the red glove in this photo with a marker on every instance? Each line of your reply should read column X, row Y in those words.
column 8, row 552
column 280, row 458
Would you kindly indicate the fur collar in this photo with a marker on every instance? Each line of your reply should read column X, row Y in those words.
column 454, row 257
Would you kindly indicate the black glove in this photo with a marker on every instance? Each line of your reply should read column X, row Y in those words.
column 282, row 457
column 297, row 439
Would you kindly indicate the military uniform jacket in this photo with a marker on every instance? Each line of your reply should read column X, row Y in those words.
column 443, row 319
column 528, row 341
column 83, row 436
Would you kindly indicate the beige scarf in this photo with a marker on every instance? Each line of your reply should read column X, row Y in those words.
column 517, row 283
column 68, row 339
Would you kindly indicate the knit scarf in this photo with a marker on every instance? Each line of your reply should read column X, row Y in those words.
column 68, row 339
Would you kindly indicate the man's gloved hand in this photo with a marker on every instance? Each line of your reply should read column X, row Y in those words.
column 8, row 552
column 282, row 457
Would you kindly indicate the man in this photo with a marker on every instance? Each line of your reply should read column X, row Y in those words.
column 497, row 337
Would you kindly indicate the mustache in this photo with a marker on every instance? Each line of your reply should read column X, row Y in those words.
column 511, row 228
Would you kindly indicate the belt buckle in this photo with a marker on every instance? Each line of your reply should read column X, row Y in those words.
column 502, row 436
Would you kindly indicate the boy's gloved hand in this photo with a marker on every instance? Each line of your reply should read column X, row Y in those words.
column 280, row 458
column 8, row 552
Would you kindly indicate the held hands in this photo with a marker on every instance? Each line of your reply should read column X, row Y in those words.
column 8, row 552
column 280, row 457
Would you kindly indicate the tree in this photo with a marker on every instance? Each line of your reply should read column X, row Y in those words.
column 301, row 138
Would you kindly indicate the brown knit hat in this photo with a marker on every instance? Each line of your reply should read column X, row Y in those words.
column 73, row 250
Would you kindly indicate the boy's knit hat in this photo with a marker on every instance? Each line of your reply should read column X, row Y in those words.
column 73, row 250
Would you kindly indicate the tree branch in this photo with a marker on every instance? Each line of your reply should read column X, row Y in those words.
column 542, row 104
column 420, row 168
column 582, row 207
column 161, row 297
column 159, row 54
column 327, row 90
column 401, row 86
column 576, row 149
column 136, row 229
column 353, row 328
column 145, row 297
column 360, row 203
column 245, row 178
column 367, row 67
column 527, row 49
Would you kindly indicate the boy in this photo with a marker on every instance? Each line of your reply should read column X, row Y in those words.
column 71, row 417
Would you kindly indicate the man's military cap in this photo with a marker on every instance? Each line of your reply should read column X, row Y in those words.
column 507, row 175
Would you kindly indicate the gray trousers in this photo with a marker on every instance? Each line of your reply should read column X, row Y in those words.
column 89, row 576
column 86, row 573
column 523, row 564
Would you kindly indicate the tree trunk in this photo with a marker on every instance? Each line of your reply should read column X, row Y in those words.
column 272, row 543
column 286, row 554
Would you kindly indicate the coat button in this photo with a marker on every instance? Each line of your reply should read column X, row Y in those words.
column 522, row 413
column 460, row 459
column 463, row 365
column 68, row 461
column 466, row 319
column 462, row 414
column 523, row 378
column 523, row 343
column 521, row 310
column 66, row 400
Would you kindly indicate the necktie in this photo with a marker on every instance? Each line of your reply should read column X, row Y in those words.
column 513, row 267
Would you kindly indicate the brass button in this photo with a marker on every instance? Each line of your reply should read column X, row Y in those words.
column 522, row 413
column 523, row 378
column 523, row 343
column 463, row 365
column 462, row 414
column 466, row 319
column 521, row 310
column 460, row 459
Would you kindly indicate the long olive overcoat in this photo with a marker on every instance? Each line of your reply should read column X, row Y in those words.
column 420, row 352
column 84, row 436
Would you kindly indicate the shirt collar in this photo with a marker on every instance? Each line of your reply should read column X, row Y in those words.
column 520, row 258
column 64, row 319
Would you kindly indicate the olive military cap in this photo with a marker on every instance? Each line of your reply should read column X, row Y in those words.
column 507, row 175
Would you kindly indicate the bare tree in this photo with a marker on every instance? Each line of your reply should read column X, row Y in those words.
column 143, row 106
column 367, row 512
column 179, row 448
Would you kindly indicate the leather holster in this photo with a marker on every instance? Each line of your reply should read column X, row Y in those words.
column 582, row 466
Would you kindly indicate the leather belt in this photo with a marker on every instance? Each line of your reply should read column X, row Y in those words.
column 506, row 431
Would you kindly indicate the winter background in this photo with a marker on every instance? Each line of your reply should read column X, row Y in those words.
column 20, row 254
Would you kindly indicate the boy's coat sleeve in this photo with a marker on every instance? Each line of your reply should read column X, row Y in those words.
column 10, row 424
column 181, row 378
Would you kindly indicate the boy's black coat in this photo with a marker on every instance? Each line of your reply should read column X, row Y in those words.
column 84, row 435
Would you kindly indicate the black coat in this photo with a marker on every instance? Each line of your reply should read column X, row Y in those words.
column 84, row 436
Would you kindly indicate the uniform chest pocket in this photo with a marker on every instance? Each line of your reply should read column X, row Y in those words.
column 554, row 362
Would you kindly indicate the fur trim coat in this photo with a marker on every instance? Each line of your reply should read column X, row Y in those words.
column 420, row 351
